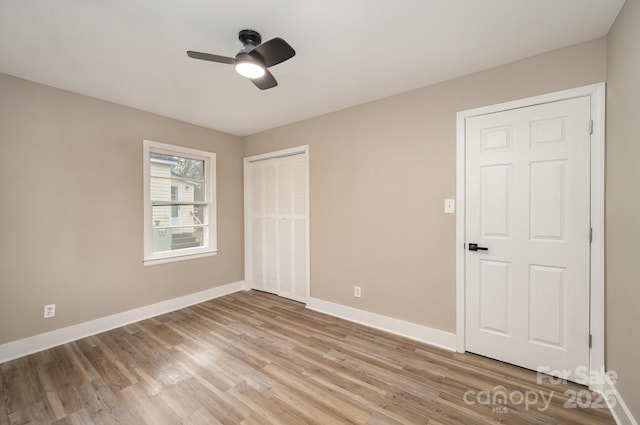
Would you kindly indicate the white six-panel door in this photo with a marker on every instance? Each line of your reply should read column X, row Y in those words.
column 277, row 226
column 528, row 203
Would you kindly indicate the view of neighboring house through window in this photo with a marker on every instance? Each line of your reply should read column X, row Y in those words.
column 179, row 202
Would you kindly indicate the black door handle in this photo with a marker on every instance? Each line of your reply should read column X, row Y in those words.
column 475, row 247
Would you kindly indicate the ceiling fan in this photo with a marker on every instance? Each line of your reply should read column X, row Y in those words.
column 254, row 58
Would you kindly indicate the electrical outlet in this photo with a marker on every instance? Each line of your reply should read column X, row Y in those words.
column 357, row 292
column 49, row 310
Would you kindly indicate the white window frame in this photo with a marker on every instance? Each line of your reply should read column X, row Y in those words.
column 210, row 247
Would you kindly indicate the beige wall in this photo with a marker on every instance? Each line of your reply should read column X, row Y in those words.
column 623, row 203
column 379, row 174
column 71, row 209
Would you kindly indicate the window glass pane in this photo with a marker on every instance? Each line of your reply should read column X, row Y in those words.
column 177, row 238
column 198, row 214
column 164, row 189
column 161, row 165
column 161, row 216
column 175, row 210
column 178, row 215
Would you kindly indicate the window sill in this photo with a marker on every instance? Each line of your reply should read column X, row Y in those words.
column 154, row 261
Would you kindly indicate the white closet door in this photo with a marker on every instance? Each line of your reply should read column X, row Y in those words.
column 277, row 226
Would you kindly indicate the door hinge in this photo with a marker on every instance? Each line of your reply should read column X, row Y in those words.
column 590, row 126
column 590, row 234
column 590, row 340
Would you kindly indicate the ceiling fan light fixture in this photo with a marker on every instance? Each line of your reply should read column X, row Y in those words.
column 254, row 59
column 250, row 69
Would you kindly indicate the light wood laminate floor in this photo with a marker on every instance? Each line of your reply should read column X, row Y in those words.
column 254, row 358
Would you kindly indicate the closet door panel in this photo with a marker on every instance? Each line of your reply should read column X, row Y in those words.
column 269, row 181
column 298, row 186
column 285, row 253
column 257, row 254
column 300, row 259
column 257, row 227
column 270, row 222
column 271, row 255
column 278, row 259
column 284, row 187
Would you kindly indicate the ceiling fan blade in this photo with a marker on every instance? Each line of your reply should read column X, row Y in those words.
column 267, row 81
column 273, row 52
column 210, row 57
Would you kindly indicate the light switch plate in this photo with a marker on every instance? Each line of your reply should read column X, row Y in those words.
column 449, row 206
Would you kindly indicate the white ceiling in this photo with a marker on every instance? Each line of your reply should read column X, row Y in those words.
column 132, row 52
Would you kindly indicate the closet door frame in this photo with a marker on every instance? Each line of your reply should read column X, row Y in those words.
column 248, row 245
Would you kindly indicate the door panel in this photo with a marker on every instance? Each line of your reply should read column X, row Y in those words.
column 527, row 201
column 495, row 201
column 547, row 305
column 271, row 255
column 278, row 255
column 257, row 250
column 548, row 200
column 494, row 296
column 256, row 197
column 285, row 252
column 300, row 258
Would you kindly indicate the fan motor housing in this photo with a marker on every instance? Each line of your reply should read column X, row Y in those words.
column 250, row 37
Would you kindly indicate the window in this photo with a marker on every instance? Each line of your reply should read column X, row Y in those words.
column 179, row 203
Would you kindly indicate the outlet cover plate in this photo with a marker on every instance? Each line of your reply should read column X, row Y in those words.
column 49, row 311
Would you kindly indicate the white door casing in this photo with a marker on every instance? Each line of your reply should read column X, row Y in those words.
column 276, row 223
column 532, row 188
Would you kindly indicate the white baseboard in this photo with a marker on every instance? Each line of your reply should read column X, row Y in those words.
column 617, row 406
column 15, row 349
column 409, row 330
